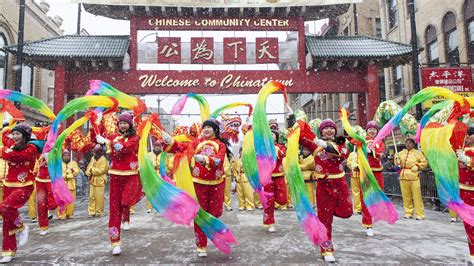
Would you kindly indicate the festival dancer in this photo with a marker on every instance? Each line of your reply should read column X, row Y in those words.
column 207, row 169
column 307, row 166
column 228, row 182
column 355, row 181
column 466, row 183
column 125, row 184
column 245, row 192
column 45, row 197
column 277, row 188
column 332, row 193
column 70, row 171
column 375, row 162
column 411, row 161
column 18, row 186
column 97, row 173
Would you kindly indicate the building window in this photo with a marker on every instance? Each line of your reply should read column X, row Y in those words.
column 392, row 13
column 397, row 80
column 3, row 62
column 451, row 39
column 378, row 28
column 468, row 11
column 27, row 80
column 432, row 50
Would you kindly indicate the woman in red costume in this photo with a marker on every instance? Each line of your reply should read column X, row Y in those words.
column 332, row 193
column 125, row 184
column 207, row 169
column 18, row 186
column 375, row 162
column 277, row 188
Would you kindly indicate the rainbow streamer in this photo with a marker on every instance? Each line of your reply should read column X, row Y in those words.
column 264, row 147
column 204, row 109
column 212, row 227
column 422, row 96
column 171, row 202
column 98, row 87
column 249, row 163
column 163, row 162
column 307, row 218
column 30, row 101
column 435, row 144
column 426, row 117
column 61, row 193
column 221, row 109
column 378, row 204
column 73, row 107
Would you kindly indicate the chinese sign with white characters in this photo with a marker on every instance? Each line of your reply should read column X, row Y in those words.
column 457, row 79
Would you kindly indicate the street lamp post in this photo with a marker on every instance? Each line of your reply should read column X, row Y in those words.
column 19, row 53
column 414, row 55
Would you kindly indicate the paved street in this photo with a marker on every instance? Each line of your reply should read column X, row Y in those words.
column 153, row 239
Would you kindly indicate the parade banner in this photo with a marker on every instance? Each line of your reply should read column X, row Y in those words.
column 457, row 79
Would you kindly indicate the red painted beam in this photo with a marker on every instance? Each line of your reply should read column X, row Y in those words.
column 59, row 87
column 372, row 91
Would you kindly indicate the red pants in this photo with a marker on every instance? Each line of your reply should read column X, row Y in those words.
column 278, row 193
column 210, row 198
column 366, row 217
column 333, row 199
column 125, row 191
column 45, row 199
column 13, row 199
column 468, row 197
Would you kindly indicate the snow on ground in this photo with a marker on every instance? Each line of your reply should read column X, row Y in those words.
column 153, row 239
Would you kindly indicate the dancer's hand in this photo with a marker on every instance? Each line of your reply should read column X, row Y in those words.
column 321, row 143
column 200, row 158
column 99, row 139
column 415, row 168
column 462, row 157
column 166, row 137
column 118, row 146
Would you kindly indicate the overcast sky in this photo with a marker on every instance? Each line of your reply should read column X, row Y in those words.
column 97, row 25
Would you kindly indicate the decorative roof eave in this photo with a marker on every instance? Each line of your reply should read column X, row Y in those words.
column 308, row 12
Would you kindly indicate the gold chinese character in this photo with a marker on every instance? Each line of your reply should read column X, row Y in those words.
column 202, row 51
column 264, row 51
column 169, row 50
column 236, row 48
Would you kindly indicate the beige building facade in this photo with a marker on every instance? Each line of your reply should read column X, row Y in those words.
column 38, row 25
column 445, row 32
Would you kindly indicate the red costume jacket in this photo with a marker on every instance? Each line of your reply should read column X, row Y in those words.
column 20, row 163
column 42, row 174
column 280, row 152
column 124, row 161
column 466, row 172
column 214, row 151
column 375, row 160
column 328, row 160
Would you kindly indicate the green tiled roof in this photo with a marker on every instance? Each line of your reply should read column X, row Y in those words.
column 354, row 47
column 77, row 46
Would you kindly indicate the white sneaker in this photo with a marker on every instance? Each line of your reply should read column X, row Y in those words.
column 44, row 232
column 329, row 258
column 23, row 236
column 370, row 231
column 229, row 208
column 116, row 251
column 453, row 220
column 148, row 211
column 6, row 259
column 271, row 229
column 202, row 254
column 126, row 226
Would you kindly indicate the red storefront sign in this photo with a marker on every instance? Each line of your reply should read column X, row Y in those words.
column 457, row 79
column 266, row 50
column 235, row 51
column 169, row 50
column 202, row 50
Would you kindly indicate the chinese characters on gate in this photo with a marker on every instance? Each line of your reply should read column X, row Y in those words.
column 202, row 50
